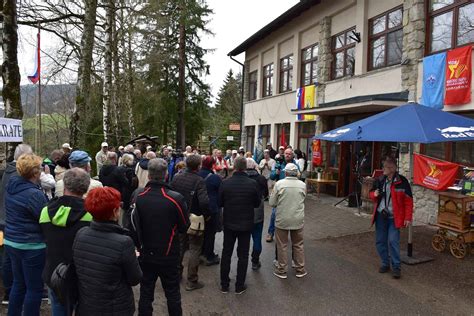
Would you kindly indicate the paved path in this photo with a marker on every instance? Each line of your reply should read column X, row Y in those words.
column 342, row 280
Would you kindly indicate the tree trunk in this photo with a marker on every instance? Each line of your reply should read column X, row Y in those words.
column 180, row 132
column 108, row 84
column 117, row 82
column 83, row 88
column 10, row 71
column 129, row 85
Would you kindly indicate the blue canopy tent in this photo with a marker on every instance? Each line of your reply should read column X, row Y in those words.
column 412, row 123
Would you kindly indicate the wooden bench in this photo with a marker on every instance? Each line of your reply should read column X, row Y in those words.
column 317, row 183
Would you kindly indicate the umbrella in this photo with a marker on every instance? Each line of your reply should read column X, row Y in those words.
column 411, row 123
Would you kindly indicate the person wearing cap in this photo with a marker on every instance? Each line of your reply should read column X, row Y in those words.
column 79, row 159
column 105, row 259
column 121, row 151
column 241, row 151
column 101, row 156
column 271, row 151
column 66, row 148
column 231, row 162
column 288, row 198
column 266, row 166
column 281, row 152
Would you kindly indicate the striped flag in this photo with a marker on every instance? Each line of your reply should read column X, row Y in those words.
column 35, row 77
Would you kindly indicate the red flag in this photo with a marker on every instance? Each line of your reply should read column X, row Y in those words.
column 317, row 153
column 433, row 173
column 283, row 136
column 458, row 76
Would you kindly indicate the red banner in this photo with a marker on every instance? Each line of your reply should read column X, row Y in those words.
column 317, row 153
column 458, row 76
column 433, row 173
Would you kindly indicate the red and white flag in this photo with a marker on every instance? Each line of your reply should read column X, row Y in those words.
column 35, row 77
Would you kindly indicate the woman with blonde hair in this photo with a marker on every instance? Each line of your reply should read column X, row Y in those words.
column 23, row 238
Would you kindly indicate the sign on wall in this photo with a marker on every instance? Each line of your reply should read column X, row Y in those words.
column 433, row 173
column 11, row 130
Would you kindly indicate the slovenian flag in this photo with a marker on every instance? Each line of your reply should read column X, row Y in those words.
column 300, row 102
column 35, row 77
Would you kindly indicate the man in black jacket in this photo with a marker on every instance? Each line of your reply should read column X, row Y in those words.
column 238, row 195
column 158, row 215
column 111, row 175
column 193, row 188
column 60, row 221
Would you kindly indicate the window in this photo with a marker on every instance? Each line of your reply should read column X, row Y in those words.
column 435, row 150
column 450, row 24
column 280, row 128
column 250, row 138
column 265, row 134
column 286, row 73
column 253, row 85
column 309, row 65
column 386, row 39
column 343, row 54
column 463, row 153
column 306, row 131
column 267, row 80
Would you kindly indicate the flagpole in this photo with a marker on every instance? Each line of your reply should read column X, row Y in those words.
column 39, row 97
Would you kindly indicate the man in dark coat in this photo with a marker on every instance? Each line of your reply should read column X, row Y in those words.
column 111, row 175
column 193, row 188
column 238, row 195
column 60, row 220
column 158, row 215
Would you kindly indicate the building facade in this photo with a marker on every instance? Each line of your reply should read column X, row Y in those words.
column 363, row 57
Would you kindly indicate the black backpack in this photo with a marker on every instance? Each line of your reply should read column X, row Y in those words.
column 64, row 284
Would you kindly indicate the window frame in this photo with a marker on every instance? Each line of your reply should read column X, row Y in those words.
column 431, row 14
column 267, row 80
column 373, row 37
column 253, row 85
column 335, row 51
column 286, row 71
column 309, row 61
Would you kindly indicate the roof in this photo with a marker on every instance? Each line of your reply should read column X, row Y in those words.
column 274, row 25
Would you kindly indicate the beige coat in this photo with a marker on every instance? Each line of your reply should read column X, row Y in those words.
column 288, row 197
column 60, row 187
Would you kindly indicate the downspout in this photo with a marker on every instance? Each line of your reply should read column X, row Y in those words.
column 241, row 97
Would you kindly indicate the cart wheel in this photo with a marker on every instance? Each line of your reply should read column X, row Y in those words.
column 438, row 243
column 458, row 248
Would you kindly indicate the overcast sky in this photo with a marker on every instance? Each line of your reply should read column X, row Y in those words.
column 232, row 23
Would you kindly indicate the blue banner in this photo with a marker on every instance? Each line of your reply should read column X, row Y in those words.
column 434, row 71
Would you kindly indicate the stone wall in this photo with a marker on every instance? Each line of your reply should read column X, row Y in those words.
column 426, row 205
column 325, row 58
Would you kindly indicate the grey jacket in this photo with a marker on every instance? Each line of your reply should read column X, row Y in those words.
column 288, row 197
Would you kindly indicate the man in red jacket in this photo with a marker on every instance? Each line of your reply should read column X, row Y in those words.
column 393, row 210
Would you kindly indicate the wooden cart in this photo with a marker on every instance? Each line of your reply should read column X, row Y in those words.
column 454, row 224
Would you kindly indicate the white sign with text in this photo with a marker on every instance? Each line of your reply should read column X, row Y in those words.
column 11, row 130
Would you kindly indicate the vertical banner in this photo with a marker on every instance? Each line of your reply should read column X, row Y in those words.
column 283, row 136
column 434, row 70
column 317, row 153
column 458, row 76
column 433, row 173
column 300, row 98
column 34, row 78
column 309, row 94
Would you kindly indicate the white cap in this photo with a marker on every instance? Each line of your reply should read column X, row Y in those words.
column 169, row 148
column 291, row 167
column 241, row 148
column 148, row 147
column 66, row 145
column 104, row 144
column 121, row 147
column 281, row 147
column 234, row 151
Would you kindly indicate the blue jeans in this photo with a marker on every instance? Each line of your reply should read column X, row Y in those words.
column 27, row 289
column 57, row 309
column 7, row 273
column 271, row 227
column 257, row 241
column 387, row 238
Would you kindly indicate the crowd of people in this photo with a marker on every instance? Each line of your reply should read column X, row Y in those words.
column 132, row 220
column 84, row 238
